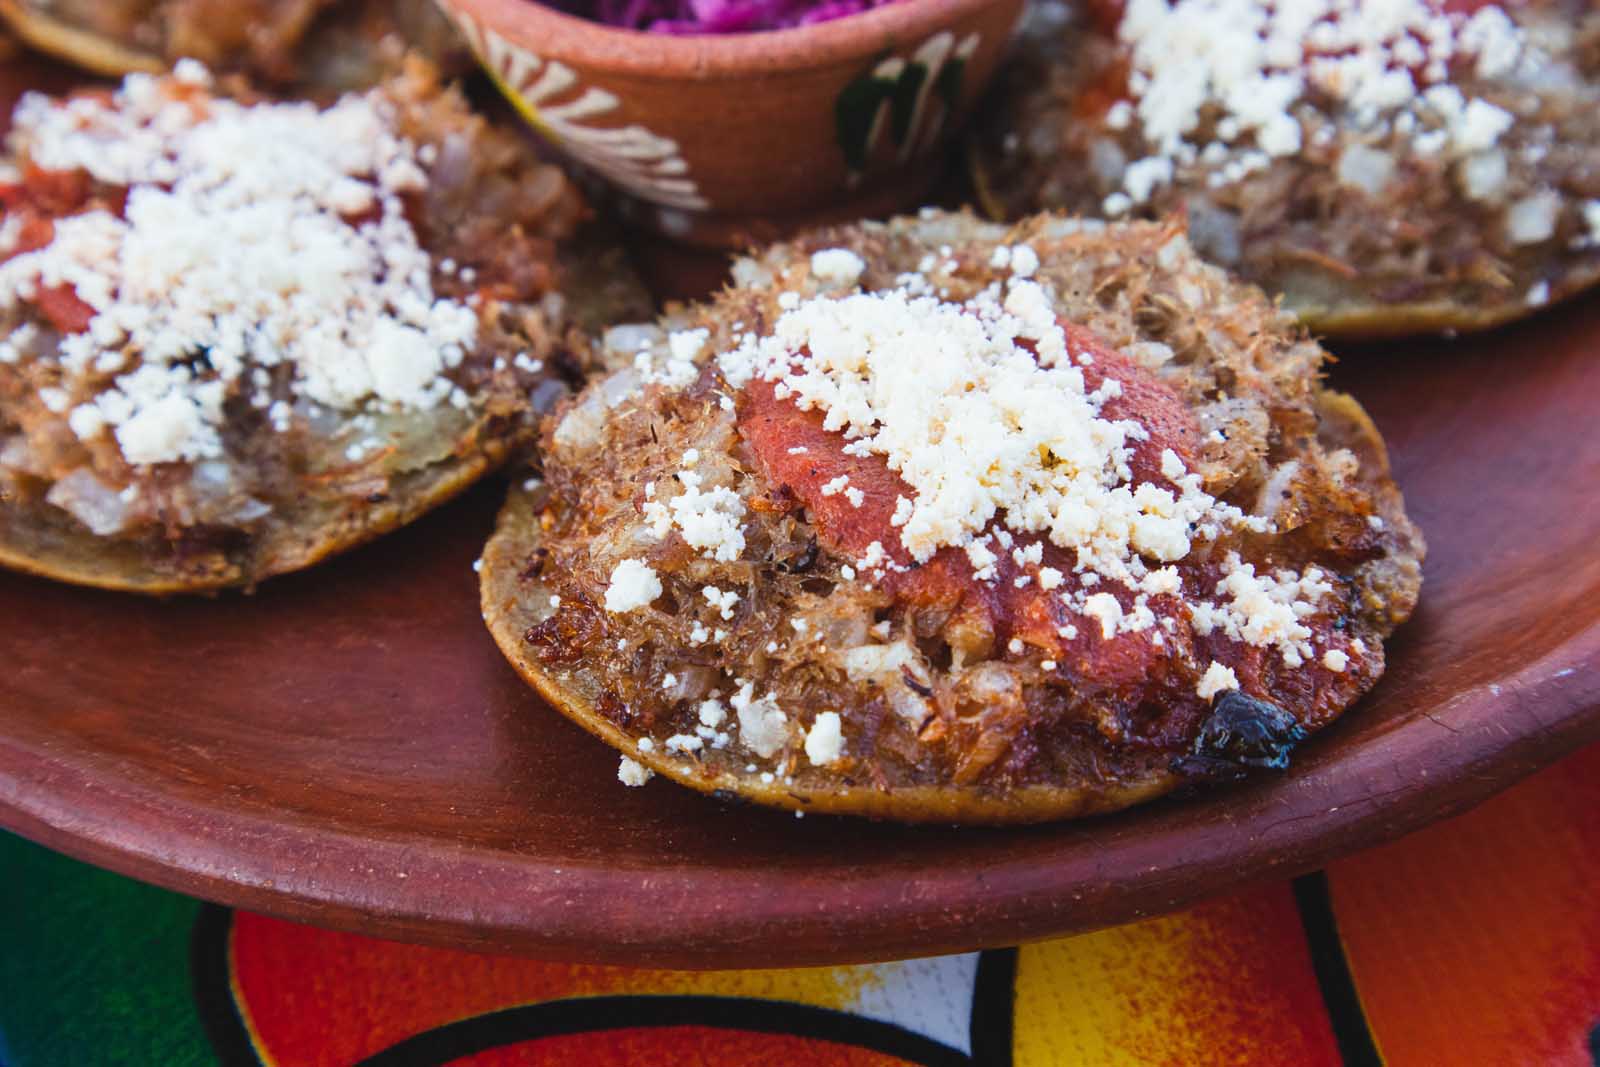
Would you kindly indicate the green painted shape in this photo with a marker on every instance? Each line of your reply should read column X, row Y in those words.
column 906, row 91
column 856, row 109
column 854, row 113
column 948, row 86
column 94, row 968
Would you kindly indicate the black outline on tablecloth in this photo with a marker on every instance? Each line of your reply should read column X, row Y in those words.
column 579, row 1015
column 994, row 1004
column 211, row 977
column 1314, row 900
column 990, row 1035
column 992, row 1024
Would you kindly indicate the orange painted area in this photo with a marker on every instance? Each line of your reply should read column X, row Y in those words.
column 678, row 1046
column 1478, row 940
column 1229, row 982
column 315, row 997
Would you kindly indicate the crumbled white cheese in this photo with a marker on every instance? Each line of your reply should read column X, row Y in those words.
column 711, row 520
column 684, row 743
column 1591, row 222
column 236, row 245
column 837, row 266
column 634, row 585
column 1164, row 581
column 1533, row 218
column 712, row 713
column 722, row 602
column 1104, row 608
column 981, row 410
column 633, row 773
column 1024, row 261
column 763, row 727
column 1335, row 660
column 1364, row 168
column 1255, row 67
column 1217, row 679
column 1263, row 609
column 825, row 739
column 1483, row 176
column 686, row 345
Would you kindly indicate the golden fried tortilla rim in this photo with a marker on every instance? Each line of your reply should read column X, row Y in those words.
column 92, row 51
column 44, row 541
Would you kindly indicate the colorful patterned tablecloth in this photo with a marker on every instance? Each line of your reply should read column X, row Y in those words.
column 1476, row 941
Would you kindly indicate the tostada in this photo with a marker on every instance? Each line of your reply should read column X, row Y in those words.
column 1394, row 167
column 237, row 336
column 944, row 520
column 327, row 45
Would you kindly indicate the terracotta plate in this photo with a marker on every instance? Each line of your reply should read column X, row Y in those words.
column 348, row 748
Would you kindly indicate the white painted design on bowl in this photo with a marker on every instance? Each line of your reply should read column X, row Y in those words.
column 550, row 95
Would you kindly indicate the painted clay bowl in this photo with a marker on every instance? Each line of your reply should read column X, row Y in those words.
column 724, row 140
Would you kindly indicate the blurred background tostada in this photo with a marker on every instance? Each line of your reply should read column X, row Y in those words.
column 238, row 335
column 321, row 46
column 1389, row 168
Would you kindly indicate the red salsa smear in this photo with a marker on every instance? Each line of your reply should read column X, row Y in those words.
column 37, row 201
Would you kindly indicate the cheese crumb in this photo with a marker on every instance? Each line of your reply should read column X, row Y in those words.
column 712, row 713
column 634, row 585
column 632, row 773
column 763, row 727
column 722, row 602
column 837, row 266
column 684, row 743
column 710, row 520
column 825, row 739
column 1335, row 660
column 1217, row 679
column 1104, row 608
column 1024, row 261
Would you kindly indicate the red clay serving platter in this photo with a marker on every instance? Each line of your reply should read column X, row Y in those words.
column 346, row 747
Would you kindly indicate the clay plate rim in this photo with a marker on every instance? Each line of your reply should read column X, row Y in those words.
column 951, row 910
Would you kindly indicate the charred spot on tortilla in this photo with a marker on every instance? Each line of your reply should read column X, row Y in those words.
column 237, row 336
column 945, row 520
column 1242, row 732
